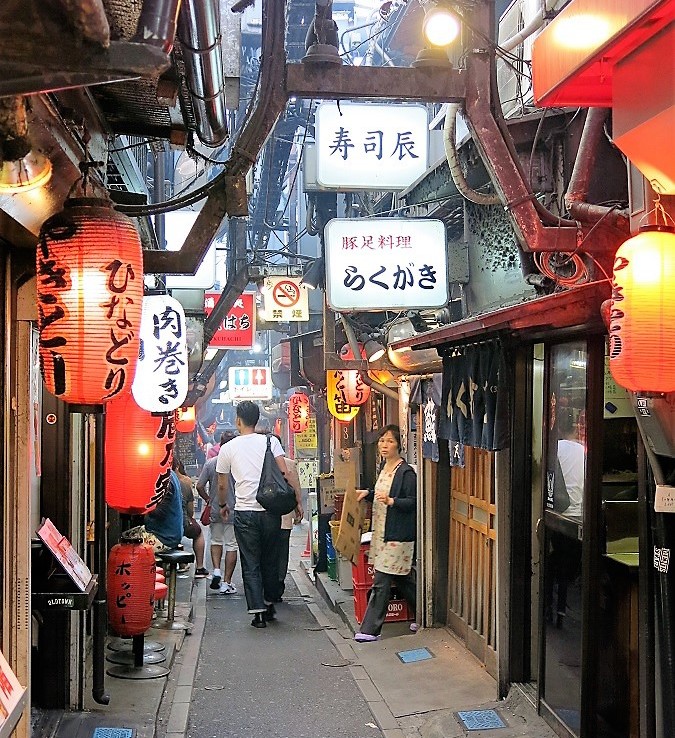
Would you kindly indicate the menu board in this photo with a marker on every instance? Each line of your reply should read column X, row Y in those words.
column 66, row 555
column 11, row 698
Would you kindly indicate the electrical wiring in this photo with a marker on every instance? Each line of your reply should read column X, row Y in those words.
column 550, row 263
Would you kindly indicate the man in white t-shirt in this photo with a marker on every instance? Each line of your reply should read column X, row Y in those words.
column 256, row 530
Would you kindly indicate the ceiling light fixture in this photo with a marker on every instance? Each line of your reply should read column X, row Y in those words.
column 22, row 167
column 374, row 350
column 440, row 26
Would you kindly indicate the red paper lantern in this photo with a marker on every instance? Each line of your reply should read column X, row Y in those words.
column 298, row 412
column 138, row 455
column 642, row 315
column 89, row 295
column 356, row 392
column 186, row 419
column 131, row 588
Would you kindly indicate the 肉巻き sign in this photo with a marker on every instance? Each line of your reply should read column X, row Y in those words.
column 385, row 264
column 370, row 146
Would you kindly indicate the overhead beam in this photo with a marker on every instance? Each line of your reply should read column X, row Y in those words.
column 65, row 65
column 323, row 82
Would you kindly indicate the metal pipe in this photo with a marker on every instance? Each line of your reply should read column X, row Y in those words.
column 159, row 174
column 99, row 607
column 157, row 23
column 200, row 38
column 584, row 165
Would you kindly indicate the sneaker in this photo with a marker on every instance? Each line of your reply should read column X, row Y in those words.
column 201, row 573
column 414, row 627
column 258, row 621
column 365, row 637
column 215, row 582
column 227, row 589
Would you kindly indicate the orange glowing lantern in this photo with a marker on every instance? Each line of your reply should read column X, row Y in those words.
column 89, row 296
column 642, row 315
column 186, row 419
column 131, row 588
column 335, row 397
column 138, row 453
column 298, row 412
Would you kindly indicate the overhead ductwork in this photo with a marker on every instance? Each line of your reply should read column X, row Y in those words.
column 200, row 39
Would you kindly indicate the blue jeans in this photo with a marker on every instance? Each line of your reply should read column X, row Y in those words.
column 257, row 535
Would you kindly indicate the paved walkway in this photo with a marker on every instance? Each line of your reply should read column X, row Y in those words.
column 301, row 677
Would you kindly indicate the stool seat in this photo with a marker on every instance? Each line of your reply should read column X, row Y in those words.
column 175, row 556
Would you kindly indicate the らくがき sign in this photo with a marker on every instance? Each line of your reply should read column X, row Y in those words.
column 237, row 329
column 370, row 146
column 385, row 264
column 161, row 380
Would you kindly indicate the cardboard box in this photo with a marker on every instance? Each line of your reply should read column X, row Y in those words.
column 348, row 541
column 347, row 468
column 326, row 494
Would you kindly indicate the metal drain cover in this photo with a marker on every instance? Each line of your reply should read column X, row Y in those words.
column 114, row 733
column 481, row 719
column 414, row 654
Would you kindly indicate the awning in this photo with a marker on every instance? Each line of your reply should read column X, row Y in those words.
column 577, row 308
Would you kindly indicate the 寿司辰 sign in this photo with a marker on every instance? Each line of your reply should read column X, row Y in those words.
column 237, row 329
column 385, row 264
column 370, row 146
column 249, row 383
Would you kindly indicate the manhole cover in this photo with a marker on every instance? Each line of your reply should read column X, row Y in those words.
column 481, row 719
column 114, row 733
column 414, row 654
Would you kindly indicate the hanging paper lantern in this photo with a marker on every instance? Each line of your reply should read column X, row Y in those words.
column 131, row 588
column 298, row 412
column 356, row 391
column 186, row 419
column 335, row 397
column 138, row 455
column 89, row 295
column 642, row 315
column 161, row 381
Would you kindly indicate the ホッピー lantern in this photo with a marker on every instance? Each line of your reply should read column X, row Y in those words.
column 298, row 412
column 642, row 313
column 131, row 588
column 89, row 294
column 138, row 455
column 338, row 406
column 161, row 380
column 186, row 419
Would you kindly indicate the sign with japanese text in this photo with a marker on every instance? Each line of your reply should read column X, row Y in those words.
column 284, row 300
column 65, row 554
column 12, row 698
column 338, row 406
column 308, row 471
column 237, row 330
column 386, row 264
column 161, row 381
column 308, row 439
column 249, row 383
column 367, row 146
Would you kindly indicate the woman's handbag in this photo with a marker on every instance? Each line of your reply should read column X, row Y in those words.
column 275, row 494
column 205, row 517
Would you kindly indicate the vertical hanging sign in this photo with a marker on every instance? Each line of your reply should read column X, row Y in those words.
column 161, row 380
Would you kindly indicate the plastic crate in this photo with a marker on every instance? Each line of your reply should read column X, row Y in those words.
column 363, row 572
column 331, row 568
column 397, row 610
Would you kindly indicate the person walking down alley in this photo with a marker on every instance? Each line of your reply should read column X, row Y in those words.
column 220, row 526
column 394, row 530
column 287, row 522
column 256, row 530
column 191, row 528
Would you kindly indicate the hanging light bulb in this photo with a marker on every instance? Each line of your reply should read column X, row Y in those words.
column 440, row 27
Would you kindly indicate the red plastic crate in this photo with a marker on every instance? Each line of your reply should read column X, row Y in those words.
column 397, row 610
column 363, row 572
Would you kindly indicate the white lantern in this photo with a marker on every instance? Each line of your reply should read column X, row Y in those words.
column 161, row 381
